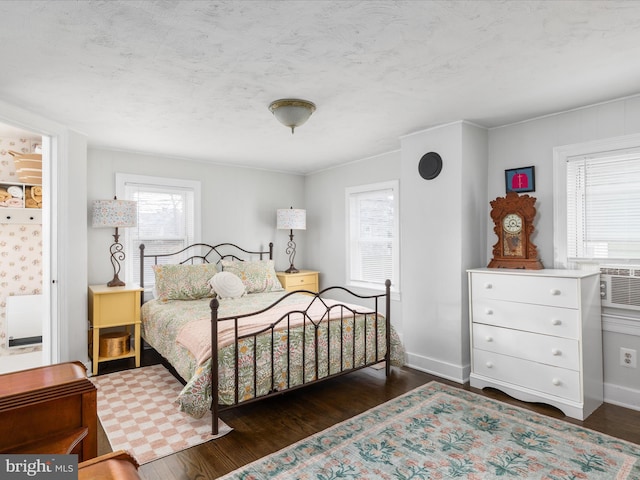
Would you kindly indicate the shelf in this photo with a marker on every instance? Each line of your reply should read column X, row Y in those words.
column 21, row 215
column 131, row 353
column 23, row 208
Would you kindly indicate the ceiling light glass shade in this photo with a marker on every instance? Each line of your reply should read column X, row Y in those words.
column 292, row 219
column 292, row 112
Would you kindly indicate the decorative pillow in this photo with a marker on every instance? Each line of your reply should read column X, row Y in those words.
column 257, row 275
column 183, row 282
column 227, row 285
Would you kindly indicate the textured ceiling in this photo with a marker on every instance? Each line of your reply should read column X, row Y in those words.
column 193, row 79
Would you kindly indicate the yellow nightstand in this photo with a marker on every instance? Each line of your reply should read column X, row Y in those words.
column 114, row 307
column 303, row 280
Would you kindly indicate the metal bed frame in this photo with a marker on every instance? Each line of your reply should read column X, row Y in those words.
column 333, row 313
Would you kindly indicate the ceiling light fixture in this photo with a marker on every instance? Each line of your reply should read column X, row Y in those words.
column 292, row 112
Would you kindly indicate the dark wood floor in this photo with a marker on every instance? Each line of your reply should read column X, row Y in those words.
column 265, row 427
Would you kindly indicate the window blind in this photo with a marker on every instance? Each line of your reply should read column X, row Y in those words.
column 372, row 236
column 165, row 223
column 603, row 206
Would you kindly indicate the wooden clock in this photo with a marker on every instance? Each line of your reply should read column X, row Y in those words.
column 513, row 218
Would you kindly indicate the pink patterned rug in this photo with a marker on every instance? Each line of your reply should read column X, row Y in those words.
column 138, row 413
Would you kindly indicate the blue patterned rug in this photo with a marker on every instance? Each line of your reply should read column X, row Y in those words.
column 437, row 431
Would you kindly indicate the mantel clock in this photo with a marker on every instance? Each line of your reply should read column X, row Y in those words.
column 513, row 224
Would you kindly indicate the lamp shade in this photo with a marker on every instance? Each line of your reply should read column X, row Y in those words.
column 114, row 213
column 292, row 219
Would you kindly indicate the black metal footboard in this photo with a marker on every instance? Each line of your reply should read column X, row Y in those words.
column 322, row 313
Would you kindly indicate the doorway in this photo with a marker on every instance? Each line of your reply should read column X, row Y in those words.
column 24, row 250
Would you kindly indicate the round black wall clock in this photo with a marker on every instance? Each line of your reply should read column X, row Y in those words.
column 430, row 165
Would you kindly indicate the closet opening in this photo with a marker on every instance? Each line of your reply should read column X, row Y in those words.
column 24, row 249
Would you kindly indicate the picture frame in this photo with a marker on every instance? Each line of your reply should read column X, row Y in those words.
column 520, row 180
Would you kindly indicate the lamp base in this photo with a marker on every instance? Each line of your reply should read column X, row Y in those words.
column 292, row 269
column 116, row 282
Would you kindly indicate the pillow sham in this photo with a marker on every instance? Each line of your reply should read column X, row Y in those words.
column 183, row 282
column 257, row 275
column 227, row 285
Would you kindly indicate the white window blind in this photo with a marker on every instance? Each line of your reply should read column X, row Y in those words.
column 603, row 206
column 373, row 234
column 166, row 219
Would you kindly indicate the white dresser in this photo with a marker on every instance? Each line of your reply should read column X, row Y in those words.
column 537, row 336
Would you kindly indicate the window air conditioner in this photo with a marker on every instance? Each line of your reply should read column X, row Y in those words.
column 620, row 286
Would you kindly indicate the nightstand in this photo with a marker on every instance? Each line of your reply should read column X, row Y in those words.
column 114, row 307
column 303, row 280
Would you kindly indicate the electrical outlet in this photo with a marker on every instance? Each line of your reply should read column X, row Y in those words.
column 628, row 358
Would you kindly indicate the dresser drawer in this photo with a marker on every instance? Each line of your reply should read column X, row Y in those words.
column 552, row 291
column 561, row 322
column 303, row 280
column 551, row 380
column 556, row 351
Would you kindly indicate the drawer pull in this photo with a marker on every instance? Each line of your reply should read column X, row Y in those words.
column 488, row 286
column 556, row 321
column 555, row 351
column 488, row 311
column 556, row 381
column 489, row 338
column 555, row 292
column 489, row 364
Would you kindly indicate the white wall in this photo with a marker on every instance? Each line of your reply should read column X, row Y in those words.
column 326, row 220
column 238, row 204
column 532, row 143
column 439, row 242
column 440, row 234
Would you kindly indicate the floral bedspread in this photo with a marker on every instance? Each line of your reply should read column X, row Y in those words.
column 163, row 321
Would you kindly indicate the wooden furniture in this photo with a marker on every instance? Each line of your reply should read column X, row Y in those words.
column 110, row 466
column 513, row 217
column 114, row 307
column 537, row 336
column 50, row 409
column 303, row 280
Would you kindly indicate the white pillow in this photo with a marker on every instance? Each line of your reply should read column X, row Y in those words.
column 227, row 285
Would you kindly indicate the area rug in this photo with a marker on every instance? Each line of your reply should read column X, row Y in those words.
column 437, row 431
column 138, row 413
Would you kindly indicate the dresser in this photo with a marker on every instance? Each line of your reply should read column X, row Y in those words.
column 537, row 336
column 303, row 280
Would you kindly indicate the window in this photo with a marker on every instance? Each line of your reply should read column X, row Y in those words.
column 372, row 235
column 600, row 204
column 168, row 214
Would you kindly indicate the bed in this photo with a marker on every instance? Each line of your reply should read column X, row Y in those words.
column 269, row 341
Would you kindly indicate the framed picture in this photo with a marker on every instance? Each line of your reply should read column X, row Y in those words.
column 520, row 179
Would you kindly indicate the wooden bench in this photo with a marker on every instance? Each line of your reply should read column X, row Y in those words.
column 50, row 409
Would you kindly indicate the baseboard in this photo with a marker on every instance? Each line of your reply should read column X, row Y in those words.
column 622, row 396
column 449, row 371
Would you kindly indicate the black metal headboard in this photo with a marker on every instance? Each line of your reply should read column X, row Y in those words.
column 200, row 253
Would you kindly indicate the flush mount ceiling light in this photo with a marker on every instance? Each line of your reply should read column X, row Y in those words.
column 292, row 112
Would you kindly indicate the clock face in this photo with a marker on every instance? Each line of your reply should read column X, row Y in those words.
column 512, row 223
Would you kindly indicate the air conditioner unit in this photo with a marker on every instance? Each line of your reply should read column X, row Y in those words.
column 620, row 286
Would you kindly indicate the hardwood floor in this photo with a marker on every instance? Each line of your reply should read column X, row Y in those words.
column 265, row 427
